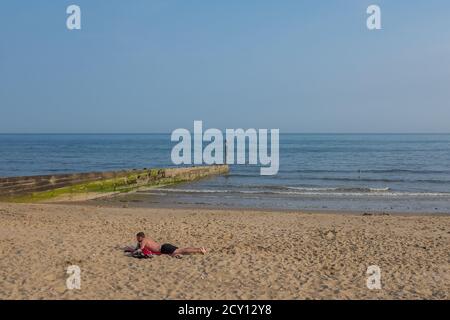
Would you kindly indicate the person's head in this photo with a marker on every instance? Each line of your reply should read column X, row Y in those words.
column 140, row 236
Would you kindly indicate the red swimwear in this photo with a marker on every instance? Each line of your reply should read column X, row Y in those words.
column 149, row 252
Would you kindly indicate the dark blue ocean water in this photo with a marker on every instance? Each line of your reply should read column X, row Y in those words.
column 404, row 173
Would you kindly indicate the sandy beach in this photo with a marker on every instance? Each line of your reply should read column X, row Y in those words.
column 252, row 254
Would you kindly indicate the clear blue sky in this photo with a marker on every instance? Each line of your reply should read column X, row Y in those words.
column 154, row 66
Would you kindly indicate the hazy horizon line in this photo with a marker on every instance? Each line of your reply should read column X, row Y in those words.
column 168, row 133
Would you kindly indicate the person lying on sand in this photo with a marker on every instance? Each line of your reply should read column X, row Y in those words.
column 147, row 246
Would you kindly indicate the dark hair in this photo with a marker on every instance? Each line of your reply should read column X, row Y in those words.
column 140, row 234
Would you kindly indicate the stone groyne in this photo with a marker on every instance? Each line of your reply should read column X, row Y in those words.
column 79, row 186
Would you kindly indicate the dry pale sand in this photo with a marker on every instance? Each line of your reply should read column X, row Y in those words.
column 253, row 255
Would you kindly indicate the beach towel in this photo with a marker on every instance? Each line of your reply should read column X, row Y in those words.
column 140, row 254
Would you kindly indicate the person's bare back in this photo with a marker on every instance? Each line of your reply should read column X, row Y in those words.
column 150, row 244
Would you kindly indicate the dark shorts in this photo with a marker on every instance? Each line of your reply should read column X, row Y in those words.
column 167, row 248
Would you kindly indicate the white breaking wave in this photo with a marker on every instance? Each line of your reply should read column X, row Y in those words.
column 299, row 191
column 340, row 189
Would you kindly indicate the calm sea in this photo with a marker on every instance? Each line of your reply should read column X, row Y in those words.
column 394, row 173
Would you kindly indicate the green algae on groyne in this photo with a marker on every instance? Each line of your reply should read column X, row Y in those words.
column 98, row 184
